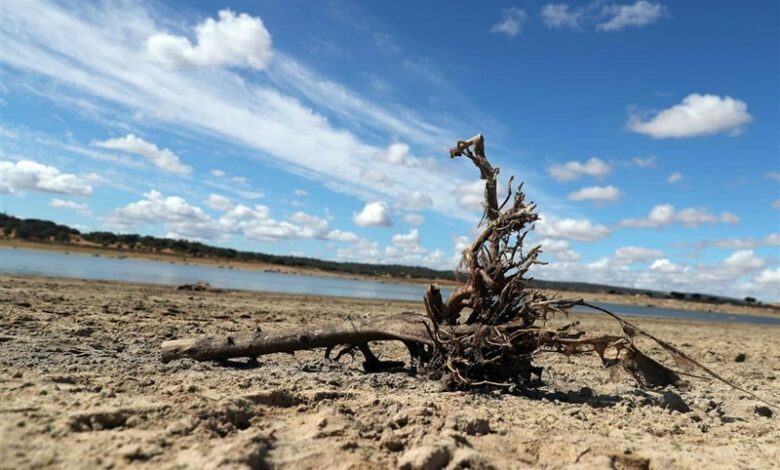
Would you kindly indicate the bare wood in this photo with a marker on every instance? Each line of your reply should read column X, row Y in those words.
column 405, row 327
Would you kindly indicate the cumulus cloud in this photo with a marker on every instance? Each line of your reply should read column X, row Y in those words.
column 180, row 218
column 374, row 214
column 80, row 207
column 575, row 229
column 770, row 277
column 665, row 266
column 636, row 254
column 743, row 262
column 28, row 175
column 574, row 170
column 232, row 40
column 697, row 115
column 597, row 194
column 218, row 202
column 662, row 215
column 639, row 14
column 161, row 158
column 561, row 249
column 675, row 177
column 396, row 153
column 559, row 15
column 511, row 22
column 184, row 220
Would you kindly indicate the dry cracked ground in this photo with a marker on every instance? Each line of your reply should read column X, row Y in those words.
column 82, row 386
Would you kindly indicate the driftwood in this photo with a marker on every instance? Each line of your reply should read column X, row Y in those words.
column 488, row 330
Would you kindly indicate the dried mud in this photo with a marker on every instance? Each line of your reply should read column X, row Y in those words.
column 81, row 386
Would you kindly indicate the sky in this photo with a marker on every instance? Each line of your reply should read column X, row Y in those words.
column 646, row 132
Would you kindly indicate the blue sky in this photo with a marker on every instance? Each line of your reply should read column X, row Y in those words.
column 646, row 131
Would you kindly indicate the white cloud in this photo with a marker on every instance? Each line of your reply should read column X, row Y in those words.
column 181, row 219
column 635, row 254
column 28, row 175
column 639, row 14
column 217, row 172
column 697, row 115
column 665, row 266
column 662, row 215
column 561, row 249
column 280, row 129
column 80, row 207
column 374, row 175
column 232, row 40
column 374, row 214
column 743, row 262
column 415, row 201
column 300, row 193
column 596, row 194
column 312, row 226
column 560, row 16
column 773, row 175
column 573, row 170
column 770, row 277
column 414, row 219
column 218, row 202
column 164, row 158
column 511, row 22
column 184, row 220
column 471, row 195
column 575, row 229
column 396, row 153
column 675, row 177
column 776, row 204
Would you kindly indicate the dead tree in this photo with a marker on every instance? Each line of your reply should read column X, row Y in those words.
column 490, row 327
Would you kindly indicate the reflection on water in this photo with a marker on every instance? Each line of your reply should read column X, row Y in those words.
column 45, row 263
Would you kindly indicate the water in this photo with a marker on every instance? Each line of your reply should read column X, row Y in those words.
column 46, row 263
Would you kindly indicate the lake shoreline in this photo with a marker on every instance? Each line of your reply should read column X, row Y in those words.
column 625, row 299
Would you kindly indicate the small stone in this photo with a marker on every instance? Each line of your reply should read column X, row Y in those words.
column 424, row 458
column 740, row 357
column 672, row 401
column 764, row 411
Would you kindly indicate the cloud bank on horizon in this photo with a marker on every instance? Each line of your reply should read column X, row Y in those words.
column 260, row 130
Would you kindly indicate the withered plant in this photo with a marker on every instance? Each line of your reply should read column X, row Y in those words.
column 490, row 328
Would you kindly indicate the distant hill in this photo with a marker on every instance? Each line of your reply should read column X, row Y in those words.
column 46, row 231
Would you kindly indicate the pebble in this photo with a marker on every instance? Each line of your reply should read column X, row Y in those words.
column 764, row 411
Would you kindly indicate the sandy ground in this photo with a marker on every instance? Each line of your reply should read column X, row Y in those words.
column 81, row 386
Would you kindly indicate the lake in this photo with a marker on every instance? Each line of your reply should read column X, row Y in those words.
column 49, row 263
